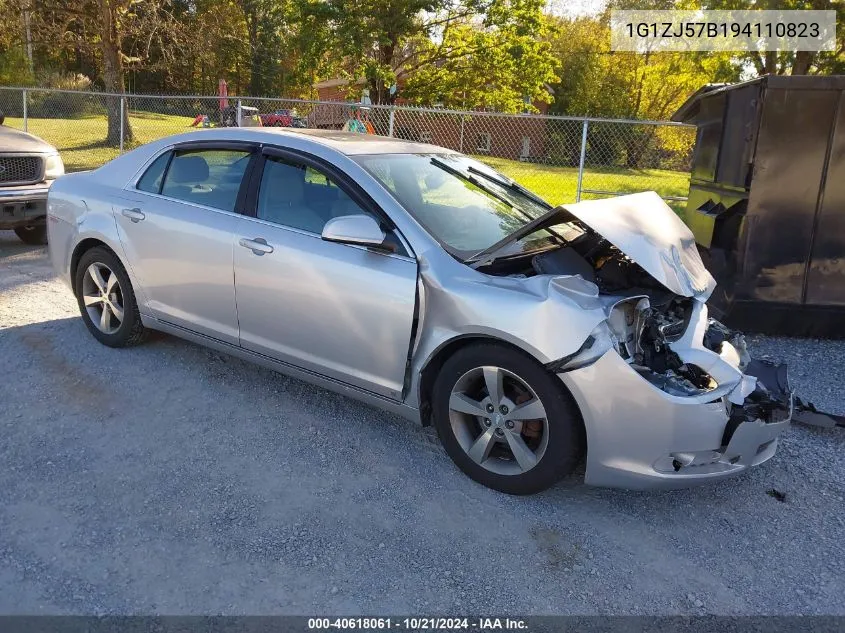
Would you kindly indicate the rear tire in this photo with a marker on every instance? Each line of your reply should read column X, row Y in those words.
column 505, row 420
column 35, row 235
column 106, row 299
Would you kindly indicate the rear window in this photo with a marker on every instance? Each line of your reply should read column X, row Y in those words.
column 210, row 177
column 151, row 180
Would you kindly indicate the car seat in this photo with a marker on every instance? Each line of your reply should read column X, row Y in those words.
column 282, row 198
column 184, row 169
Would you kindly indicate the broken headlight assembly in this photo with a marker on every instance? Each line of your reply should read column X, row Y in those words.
column 642, row 335
column 594, row 347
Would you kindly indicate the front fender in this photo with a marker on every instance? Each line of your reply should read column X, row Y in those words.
column 548, row 317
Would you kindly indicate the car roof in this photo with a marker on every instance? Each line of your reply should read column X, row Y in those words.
column 351, row 143
column 126, row 166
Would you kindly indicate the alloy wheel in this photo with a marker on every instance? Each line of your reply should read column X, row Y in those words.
column 498, row 420
column 103, row 298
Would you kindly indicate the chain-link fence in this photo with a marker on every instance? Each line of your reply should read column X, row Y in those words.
column 563, row 159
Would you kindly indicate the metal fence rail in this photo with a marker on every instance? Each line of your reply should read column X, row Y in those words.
column 564, row 159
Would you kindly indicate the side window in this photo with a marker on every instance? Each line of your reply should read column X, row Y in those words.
column 317, row 177
column 151, row 180
column 211, row 177
column 301, row 197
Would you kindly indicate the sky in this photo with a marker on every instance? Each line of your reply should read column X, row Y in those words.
column 574, row 8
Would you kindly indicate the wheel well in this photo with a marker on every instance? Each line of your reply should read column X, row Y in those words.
column 83, row 247
column 430, row 371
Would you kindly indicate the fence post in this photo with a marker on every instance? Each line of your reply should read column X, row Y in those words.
column 25, row 118
column 583, row 157
column 461, row 148
column 122, row 111
column 391, row 121
column 238, row 114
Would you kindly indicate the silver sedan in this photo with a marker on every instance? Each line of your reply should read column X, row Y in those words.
column 427, row 284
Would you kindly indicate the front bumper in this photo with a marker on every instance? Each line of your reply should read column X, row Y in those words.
column 23, row 205
column 644, row 438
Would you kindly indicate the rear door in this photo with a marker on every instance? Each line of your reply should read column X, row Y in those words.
column 343, row 311
column 177, row 226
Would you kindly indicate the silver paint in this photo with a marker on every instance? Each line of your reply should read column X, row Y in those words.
column 342, row 315
column 337, row 309
column 354, row 229
column 182, row 255
column 643, row 227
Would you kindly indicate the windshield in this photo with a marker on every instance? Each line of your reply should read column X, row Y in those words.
column 464, row 204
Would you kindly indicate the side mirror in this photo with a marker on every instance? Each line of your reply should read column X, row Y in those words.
column 360, row 230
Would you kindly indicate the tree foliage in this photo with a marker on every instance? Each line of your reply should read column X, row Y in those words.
column 472, row 53
column 596, row 81
column 499, row 61
column 499, row 54
column 791, row 62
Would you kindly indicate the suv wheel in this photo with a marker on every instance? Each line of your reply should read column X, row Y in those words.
column 505, row 420
column 106, row 299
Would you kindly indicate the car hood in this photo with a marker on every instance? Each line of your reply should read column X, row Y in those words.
column 646, row 229
column 12, row 140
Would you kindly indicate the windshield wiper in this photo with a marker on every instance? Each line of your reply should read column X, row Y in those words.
column 509, row 238
column 474, row 181
column 513, row 185
column 491, row 253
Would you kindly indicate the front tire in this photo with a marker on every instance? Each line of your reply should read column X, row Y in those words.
column 106, row 299
column 35, row 234
column 505, row 420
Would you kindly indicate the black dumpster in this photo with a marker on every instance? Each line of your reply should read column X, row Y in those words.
column 767, row 201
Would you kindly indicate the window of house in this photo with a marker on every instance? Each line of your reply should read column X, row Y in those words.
column 482, row 142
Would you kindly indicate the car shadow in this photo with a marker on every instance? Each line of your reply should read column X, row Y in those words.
column 21, row 263
column 66, row 349
column 11, row 245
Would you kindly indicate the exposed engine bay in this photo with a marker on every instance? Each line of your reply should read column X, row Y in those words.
column 646, row 318
column 646, row 315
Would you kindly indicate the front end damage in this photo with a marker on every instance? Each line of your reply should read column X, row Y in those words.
column 675, row 399
column 669, row 396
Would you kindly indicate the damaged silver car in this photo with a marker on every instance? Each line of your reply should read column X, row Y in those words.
column 425, row 283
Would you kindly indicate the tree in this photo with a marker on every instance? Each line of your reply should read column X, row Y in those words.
column 288, row 42
column 499, row 61
column 790, row 62
column 458, row 52
column 110, row 14
column 102, row 30
column 596, row 81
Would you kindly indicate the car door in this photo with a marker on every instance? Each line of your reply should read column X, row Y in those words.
column 177, row 227
column 342, row 311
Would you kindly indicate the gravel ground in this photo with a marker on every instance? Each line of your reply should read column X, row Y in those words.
column 171, row 479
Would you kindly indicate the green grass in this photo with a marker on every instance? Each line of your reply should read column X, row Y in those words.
column 559, row 185
column 81, row 143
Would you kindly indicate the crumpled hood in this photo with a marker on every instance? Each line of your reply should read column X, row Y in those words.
column 643, row 227
column 14, row 141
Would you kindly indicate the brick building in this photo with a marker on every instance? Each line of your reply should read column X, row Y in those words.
column 516, row 137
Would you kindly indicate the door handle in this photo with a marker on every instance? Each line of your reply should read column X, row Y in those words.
column 136, row 215
column 259, row 245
